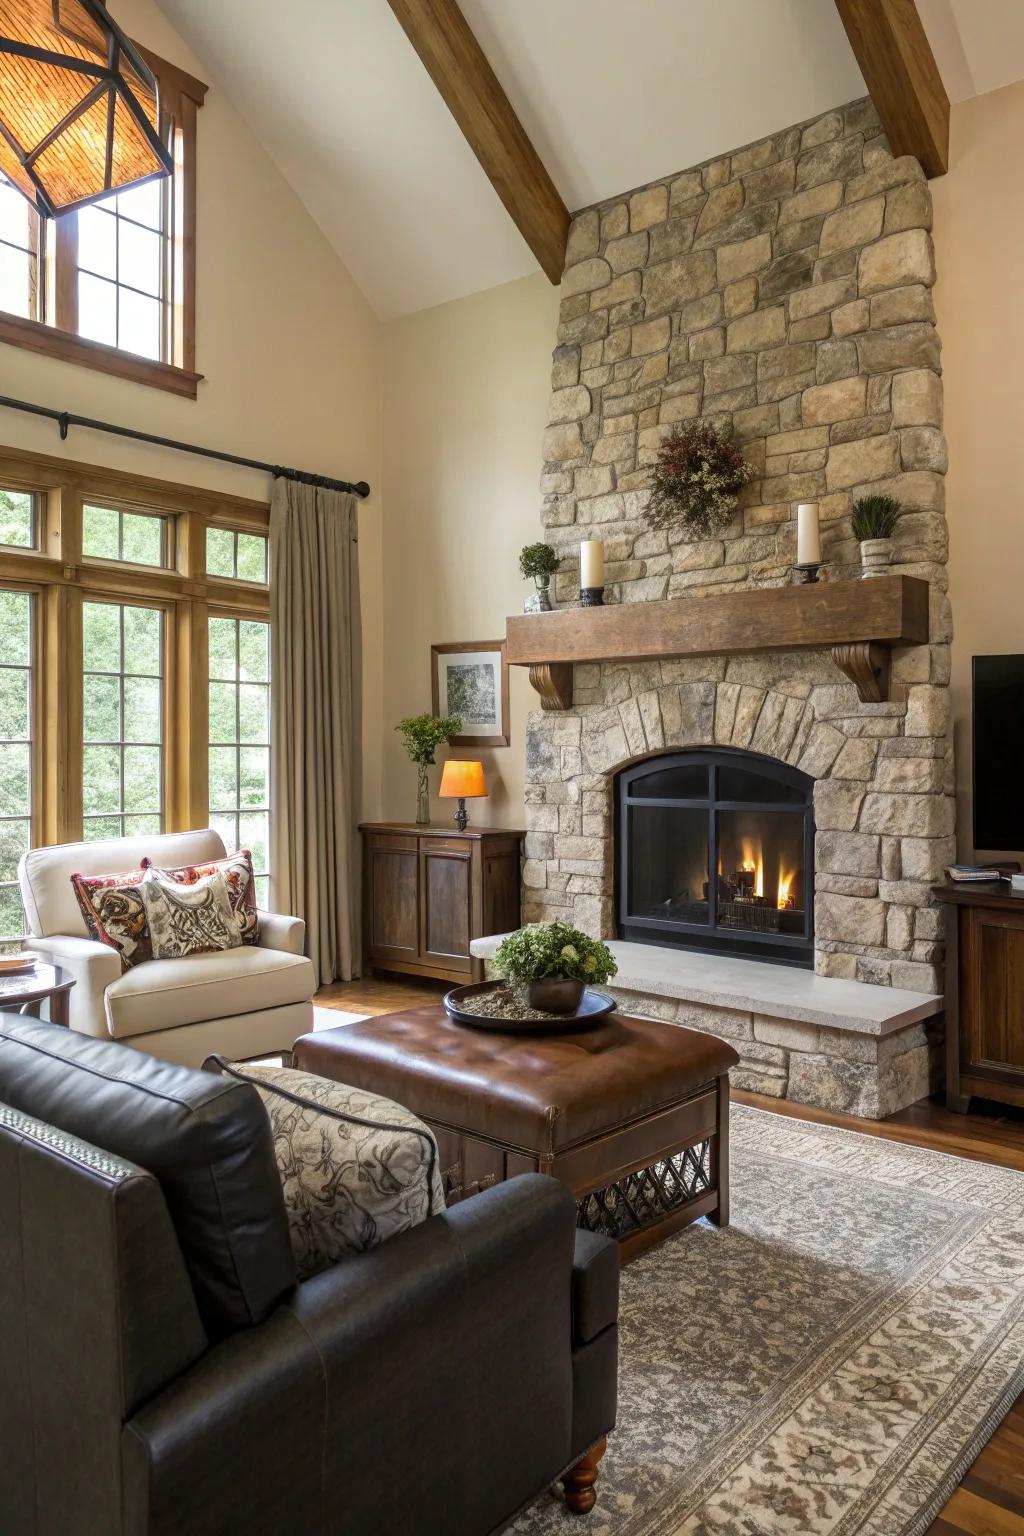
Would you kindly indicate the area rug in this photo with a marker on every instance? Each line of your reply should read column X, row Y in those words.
column 829, row 1364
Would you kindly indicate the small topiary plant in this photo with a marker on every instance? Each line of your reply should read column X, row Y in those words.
column 538, row 560
column 422, row 735
column 697, row 478
column 553, row 949
column 874, row 517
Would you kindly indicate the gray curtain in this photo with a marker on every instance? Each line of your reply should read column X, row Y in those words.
column 316, row 720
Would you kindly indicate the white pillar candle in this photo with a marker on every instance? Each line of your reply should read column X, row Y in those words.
column 592, row 563
column 808, row 534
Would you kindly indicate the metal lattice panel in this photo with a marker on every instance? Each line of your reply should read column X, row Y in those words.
column 642, row 1198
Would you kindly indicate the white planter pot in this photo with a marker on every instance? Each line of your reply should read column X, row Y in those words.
column 875, row 556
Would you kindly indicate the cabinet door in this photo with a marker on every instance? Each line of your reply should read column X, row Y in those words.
column 995, row 993
column 444, row 902
column 392, row 872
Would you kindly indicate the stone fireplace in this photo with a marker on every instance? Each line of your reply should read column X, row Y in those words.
column 784, row 291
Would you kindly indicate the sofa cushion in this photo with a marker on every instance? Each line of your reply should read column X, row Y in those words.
column 241, row 882
column 206, row 1139
column 356, row 1169
column 114, row 913
column 188, row 919
column 215, row 985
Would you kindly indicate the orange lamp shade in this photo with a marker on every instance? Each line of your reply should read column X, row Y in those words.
column 462, row 781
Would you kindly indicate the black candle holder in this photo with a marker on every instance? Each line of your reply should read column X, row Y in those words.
column 809, row 572
column 592, row 597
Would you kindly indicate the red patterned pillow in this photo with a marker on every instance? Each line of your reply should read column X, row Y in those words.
column 238, row 872
column 113, row 912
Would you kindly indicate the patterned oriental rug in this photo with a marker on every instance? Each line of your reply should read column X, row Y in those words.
column 829, row 1364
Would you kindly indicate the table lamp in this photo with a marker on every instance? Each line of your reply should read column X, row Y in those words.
column 462, row 781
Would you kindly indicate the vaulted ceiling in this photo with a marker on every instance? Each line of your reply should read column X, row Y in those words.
column 613, row 93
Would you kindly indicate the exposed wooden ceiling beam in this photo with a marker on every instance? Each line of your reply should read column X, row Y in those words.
column 899, row 68
column 455, row 62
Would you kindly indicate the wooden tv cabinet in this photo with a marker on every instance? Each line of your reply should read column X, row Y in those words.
column 984, row 993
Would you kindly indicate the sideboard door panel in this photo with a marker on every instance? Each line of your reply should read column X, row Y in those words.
column 393, row 899
column 445, row 926
column 996, row 1023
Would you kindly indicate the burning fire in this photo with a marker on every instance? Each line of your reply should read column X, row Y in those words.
column 753, row 863
column 785, row 895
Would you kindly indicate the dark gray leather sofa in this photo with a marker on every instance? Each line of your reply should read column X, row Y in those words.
column 163, row 1373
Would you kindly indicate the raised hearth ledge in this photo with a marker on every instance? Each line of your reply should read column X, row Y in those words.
column 778, row 991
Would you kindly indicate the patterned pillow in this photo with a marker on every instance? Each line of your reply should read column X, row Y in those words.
column 113, row 911
column 356, row 1169
column 188, row 919
column 238, row 872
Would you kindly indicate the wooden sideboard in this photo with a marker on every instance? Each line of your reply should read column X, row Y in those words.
column 427, row 891
column 984, row 993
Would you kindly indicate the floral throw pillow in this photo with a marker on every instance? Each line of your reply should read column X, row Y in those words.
column 188, row 919
column 356, row 1169
column 114, row 913
column 241, row 882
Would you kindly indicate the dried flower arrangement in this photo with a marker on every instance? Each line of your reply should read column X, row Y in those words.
column 697, row 478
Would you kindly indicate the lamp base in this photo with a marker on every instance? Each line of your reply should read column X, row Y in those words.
column 592, row 597
column 461, row 816
column 808, row 573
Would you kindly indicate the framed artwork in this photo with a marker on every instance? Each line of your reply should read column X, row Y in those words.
column 470, row 679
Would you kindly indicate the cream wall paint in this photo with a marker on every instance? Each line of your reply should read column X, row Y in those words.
column 289, row 349
column 979, row 249
column 465, row 399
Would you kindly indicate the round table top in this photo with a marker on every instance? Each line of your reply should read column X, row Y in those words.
column 43, row 980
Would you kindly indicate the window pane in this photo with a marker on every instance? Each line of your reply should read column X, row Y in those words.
column 15, row 758
column 223, row 717
column 100, row 533
column 253, row 657
column 97, row 309
column 102, row 708
column 101, row 779
column 142, row 709
column 253, row 721
column 138, row 323
column 15, row 781
column 253, row 833
column 223, row 778
column 142, row 637
column 143, row 204
column 252, row 557
column 254, row 777
column 122, row 780
column 12, row 919
column 17, row 517
column 142, row 539
column 15, row 644
column 15, row 214
column 101, row 637
column 97, row 828
column 222, row 647
column 139, row 253
column 97, row 242
column 14, row 841
column 220, row 552
column 141, row 778
column 14, row 703
column 16, row 281
column 239, row 733
column 227, row 826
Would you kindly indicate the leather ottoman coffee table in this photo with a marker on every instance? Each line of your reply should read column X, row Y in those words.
column 632, row 1115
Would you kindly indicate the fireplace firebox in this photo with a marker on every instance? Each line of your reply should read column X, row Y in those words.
column 715, row 851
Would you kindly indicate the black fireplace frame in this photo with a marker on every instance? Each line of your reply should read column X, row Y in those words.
column 784, row 949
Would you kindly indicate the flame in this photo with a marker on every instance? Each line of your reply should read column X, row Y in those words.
column 752, row 861
column 784, row 898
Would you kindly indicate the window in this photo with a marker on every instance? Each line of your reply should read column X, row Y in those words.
column 240, row 740
column 122, row 755
column 110, row 534
column 15, row 757
column 19, row 253
column 112, row 285
column 241, row 556
column 18, row 519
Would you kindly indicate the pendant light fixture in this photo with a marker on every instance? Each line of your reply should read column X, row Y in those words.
column 79, row 106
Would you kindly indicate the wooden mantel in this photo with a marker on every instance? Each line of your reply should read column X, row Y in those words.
column 859, row 621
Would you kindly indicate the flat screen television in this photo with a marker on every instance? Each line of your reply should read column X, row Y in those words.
column 999, row 753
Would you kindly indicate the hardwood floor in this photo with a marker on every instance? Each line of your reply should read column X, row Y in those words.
column 990, row 1500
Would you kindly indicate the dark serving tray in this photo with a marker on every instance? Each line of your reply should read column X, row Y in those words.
column 593, row 1007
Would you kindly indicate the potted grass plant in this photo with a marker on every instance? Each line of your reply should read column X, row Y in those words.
column 874, row 523
column 541, row 562
column 422, row 735
column 551, row 964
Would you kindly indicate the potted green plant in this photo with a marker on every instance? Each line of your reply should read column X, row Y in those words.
column 541, row 562
column 552, row 963
column 874, row 522
column 422, row 735
column 698, row 475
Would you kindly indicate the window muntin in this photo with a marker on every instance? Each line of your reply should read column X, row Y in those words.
column 138, row 538
column 239, row 759
column 123, row 270
column 16, row 656
column 20, row 228
column 122, row 694
column 239, row 556
column 18, row 519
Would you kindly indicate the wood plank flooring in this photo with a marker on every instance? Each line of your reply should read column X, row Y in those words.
column 990, row 1500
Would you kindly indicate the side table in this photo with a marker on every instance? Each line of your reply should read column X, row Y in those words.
column 26, row 991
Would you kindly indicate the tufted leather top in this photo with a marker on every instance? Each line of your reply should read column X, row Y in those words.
column 543, row 1093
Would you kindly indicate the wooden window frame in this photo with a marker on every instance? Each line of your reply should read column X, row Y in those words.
column 181, row 97
column 56, row 574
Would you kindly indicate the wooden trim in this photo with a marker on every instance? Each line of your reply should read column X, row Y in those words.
column 174, row 81
column 51, row 342
column 899, row 68
column 458, row 67
column 64, row 316
column 461, row 647
column 44, row 471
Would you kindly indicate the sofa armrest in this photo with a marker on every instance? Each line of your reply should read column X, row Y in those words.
column 93, row 965
column 280, row 932
column 595, row 1286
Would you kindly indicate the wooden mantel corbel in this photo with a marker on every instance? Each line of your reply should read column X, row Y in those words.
column 858, row 621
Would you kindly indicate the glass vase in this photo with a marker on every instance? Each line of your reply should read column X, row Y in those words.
column 422, row 796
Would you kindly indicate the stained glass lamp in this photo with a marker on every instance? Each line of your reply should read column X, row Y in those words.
column 79, row 106
column 462, row 781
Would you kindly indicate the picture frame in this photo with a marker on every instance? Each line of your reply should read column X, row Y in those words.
column 470, row 678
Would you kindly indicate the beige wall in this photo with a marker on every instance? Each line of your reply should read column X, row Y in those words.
column 465, row 401
column 979, row 248
column 289, row 348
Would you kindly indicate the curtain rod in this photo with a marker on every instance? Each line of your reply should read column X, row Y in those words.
column 67, row 419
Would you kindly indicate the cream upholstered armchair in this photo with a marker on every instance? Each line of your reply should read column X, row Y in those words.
column 252, row 1001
